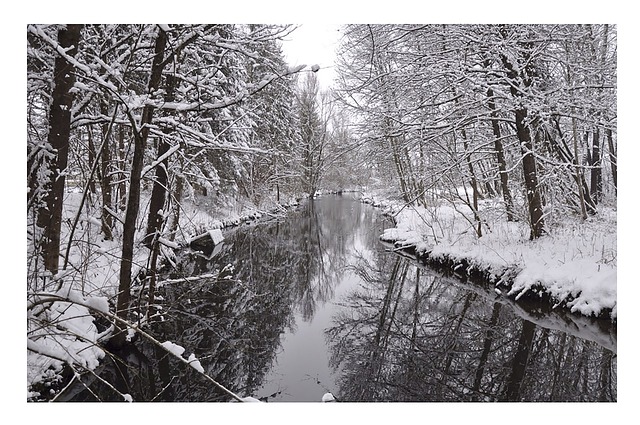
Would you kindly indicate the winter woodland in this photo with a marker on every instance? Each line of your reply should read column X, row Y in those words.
column 493, row 148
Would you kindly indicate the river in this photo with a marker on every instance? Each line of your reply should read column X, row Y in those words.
column 314, row 303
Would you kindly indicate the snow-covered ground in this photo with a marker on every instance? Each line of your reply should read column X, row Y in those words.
column 576, row 262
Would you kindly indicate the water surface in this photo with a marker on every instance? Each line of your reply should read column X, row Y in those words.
column 313, row 303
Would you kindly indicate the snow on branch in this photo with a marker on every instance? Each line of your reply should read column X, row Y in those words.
column 159, row 160
column 224, row 103
column 204, row 140
column 37, row 30
column 170, row 347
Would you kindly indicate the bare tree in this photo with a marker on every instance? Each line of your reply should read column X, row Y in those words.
column 521, row 76
column 50, row 215
column 140, row 134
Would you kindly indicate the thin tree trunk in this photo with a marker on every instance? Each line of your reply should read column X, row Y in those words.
column 581, row 190
column 50, row 217
column 596, row 170
column 105, row 158
column 563, row 152
column 397, row 160
column 155, row 250
column 474, row 184
column 177, row 199
column 613, row 159
column 530, row 174
column 122, row 158
column 604, row 46
column 486, row 349
column 91, row 157
column 158, row 197
column 159, row 191
column 520, row 360
column 502, row 163
column 133, row 204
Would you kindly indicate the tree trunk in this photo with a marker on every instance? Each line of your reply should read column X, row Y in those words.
column 50, row 216
column 122, row 160
column 474, row 184
column 91, row 158
column 530, row 174
column 581, row 188
column 596, row 170
column 159, row 191
column 502, row 163
column 519, row 82
column 133, row 205
column 563, row 153
column 486, row 349
column 520, row 360
column 397, row 160
column 105, row 166
column 613, row 159
column 155, row 250
column 158, row 197
column 177, row 199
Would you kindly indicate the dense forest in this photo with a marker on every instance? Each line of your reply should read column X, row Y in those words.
column 128, row 125
column 524, row 111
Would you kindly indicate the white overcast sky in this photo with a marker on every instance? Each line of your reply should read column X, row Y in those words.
column 313, row 44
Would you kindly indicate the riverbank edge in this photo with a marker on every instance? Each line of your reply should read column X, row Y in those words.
column 48, row 384
column 254, row 217
column 501, row 280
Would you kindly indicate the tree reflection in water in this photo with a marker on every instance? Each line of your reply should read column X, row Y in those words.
column 260, row 281
column 402, row 334
column 410, row 335
column 265, row 274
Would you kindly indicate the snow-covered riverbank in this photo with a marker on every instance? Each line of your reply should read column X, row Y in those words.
column 90, row 281
column 573, row 266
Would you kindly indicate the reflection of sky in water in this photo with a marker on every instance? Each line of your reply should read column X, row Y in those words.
column 409, row 334
column 301, row 371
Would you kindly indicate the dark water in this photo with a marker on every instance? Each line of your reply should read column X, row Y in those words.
column 315, row 303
